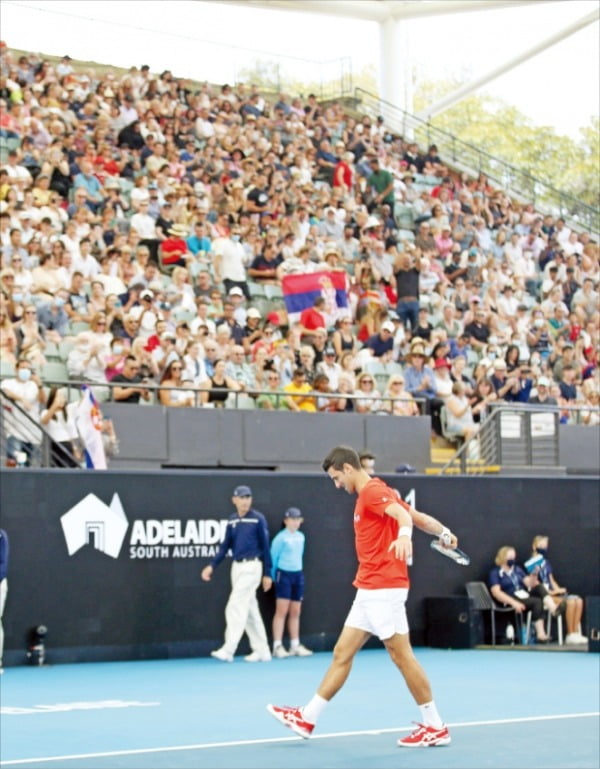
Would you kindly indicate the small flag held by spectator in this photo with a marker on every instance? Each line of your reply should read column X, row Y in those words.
column 88, row 419
column 300, row 292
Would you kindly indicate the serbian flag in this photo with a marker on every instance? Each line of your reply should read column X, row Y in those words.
column 88, row 420
column 300, row 292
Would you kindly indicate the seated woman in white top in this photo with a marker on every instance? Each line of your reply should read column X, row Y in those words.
column 401, row 403
column 459, row 417
column 366, row 386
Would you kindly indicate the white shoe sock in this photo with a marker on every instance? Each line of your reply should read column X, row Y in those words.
column 313, row 710
column 430, row 715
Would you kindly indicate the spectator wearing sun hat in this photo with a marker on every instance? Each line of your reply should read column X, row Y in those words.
column 420, row 380
column 173, row 249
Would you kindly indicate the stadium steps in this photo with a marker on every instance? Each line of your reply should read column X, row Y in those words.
column 442, row 452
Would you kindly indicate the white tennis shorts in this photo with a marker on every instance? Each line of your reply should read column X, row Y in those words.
column 379, row 612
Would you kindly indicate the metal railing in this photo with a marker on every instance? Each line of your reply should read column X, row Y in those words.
column 518, row 183
column 24, row 442
column 103, row 392
column 515, row 435
column 41, row 451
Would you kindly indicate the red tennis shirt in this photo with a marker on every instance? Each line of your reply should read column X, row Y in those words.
column 374, row 531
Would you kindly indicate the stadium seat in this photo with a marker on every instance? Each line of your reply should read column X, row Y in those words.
column 7, row 368
column 256, row 289
column 273, row 292
column 64, row 347
column 181, row 314
column 52, row 351
column 54, row 371
column 78, row 326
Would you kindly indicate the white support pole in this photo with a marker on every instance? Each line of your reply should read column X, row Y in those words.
column 465, row 90
column 391, row 67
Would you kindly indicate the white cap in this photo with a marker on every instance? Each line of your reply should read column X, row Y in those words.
column 543, row 381
column 253, row 313
column 388, row 326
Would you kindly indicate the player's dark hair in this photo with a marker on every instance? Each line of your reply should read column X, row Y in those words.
column 340, row 456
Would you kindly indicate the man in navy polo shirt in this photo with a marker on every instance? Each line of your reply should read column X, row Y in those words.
column 382, row 342
column 247, row 536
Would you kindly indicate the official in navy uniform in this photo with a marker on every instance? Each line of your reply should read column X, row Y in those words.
column 247, row 536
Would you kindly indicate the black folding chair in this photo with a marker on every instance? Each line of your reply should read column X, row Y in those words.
column 482, row 600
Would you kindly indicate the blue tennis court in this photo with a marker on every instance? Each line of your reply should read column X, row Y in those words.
column 504, row 707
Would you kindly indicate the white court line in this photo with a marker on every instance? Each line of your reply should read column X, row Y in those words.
column 272, row 740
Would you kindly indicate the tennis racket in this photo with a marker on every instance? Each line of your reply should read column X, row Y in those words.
column 455, row 553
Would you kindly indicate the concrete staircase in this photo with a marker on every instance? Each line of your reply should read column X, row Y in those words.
column 442, row 452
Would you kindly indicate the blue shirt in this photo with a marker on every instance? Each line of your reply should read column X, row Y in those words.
column 91, row 184
column 379, row 345
column 247, row 537
column 287, row 549
column 413, row 379
column 524, row 392
column 509, row 581
column 196, row 244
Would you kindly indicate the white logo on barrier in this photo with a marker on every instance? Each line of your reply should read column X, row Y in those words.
column 92, row 522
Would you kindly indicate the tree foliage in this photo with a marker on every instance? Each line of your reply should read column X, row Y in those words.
column 506, row 133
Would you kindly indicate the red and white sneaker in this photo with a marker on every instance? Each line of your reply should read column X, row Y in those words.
column 293, row 718
column 426, row 737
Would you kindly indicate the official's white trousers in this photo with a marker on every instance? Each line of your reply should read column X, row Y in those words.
column 242, row 613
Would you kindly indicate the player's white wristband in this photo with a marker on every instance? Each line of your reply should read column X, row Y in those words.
column 445, row 536
column 405, row 531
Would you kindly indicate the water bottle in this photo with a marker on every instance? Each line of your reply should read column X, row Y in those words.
column 510, row 634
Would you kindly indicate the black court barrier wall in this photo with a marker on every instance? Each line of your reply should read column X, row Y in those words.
column 110, row 561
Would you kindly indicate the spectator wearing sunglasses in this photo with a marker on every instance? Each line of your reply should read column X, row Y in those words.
column 129, row 381
column 172, row 378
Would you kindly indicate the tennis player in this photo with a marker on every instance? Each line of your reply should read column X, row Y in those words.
column 383, row 526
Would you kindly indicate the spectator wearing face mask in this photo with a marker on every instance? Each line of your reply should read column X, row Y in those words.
column 115, row 361
column 26, row 391
column 53, row 317
column 510, row 586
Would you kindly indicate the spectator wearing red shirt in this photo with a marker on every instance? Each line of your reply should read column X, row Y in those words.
column 312, row 318
column 343, row 175
column 383, row 526
column 174, row 248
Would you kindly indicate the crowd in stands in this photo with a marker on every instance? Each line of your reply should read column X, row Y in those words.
column 147, row 223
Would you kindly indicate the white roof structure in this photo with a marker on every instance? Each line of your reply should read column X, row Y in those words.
column 395, row 82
